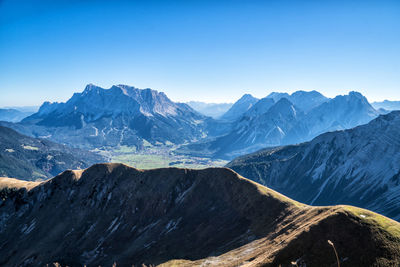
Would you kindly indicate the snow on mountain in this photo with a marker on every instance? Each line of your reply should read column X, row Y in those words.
column 359, row 166
column 240, row 107
column 303, row 100
column 116, row 116
column 268, row 124
column 341, row 112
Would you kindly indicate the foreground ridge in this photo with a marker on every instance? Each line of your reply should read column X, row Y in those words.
column 114, row 213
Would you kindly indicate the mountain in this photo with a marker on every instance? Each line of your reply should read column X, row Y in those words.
column 111, row 213
column 360, row 167
column 341, row 112
column 269, row 124
column 387, row 105
column 121, row 115
column 259, row 127
column 259, row 108
column 303, row 100
column 240, row 107
column 276, row 96
column 13, row 115
column 214, row 110
column 30, row 158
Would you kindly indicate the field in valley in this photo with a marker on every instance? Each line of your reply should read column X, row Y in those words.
column 158, row 157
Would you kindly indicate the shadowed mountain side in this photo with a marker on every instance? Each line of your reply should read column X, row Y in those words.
column 114, row 213
column 359, row 166
column 30, row 158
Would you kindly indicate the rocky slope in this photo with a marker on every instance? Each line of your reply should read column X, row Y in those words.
column 265, row 124
column 121, row 115
column 303, row 100
column 268, row 123
column 339, row 113
column 30, row 158
column 360, row 166
column 180, row 217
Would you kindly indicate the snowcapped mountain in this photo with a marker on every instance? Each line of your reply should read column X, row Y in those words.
column 341, row 112
column 95, row 102
column 265, row 124
column 359, row 166
column 240, row 107
column 303, row 100
column 121, row 115
column 260, row 107
column 257, row 128
column 268, row 123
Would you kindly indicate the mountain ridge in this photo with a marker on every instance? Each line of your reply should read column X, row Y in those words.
column 357, row 166
column 130, row 216
column 29, row 158
column 263, row 125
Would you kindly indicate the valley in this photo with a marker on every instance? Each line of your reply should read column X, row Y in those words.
column 158, row 157
column 163, row 191
column 199, row 133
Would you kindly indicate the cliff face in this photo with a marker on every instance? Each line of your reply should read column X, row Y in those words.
column 113, row 213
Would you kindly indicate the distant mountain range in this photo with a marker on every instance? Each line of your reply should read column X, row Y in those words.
column 30, row 158
column 125, row 115
column 214, row 110
column 360, row 167
column 13, row 115
column 121, row 115
column 276, row 120
column 113, row 214
column 387, row 105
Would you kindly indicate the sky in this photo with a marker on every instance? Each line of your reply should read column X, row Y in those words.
column 212, row 51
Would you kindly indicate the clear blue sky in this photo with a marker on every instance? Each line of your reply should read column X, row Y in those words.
column 212, row 51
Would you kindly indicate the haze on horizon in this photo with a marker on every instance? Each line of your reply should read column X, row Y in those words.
column 198, row 50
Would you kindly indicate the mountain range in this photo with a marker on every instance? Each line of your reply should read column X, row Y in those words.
column 387, row 105
column 13, row 115
column 120, row 115
column 303, row 100
column 275, row 121
column 31, row 158
column 359, row 166
column 113, row 214
column 123, row 115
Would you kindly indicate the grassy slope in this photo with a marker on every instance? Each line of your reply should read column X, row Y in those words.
column 286, row 230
